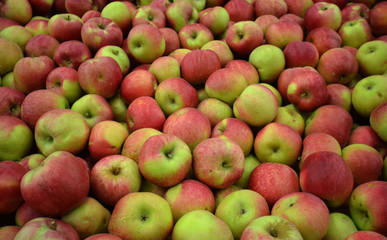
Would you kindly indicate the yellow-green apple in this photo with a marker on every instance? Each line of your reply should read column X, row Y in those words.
column 99, row 32
column 371, row 57
column 355, row 11
column 144, row 112
column 256, row 105
column 180, row 14
column 322, row 14
column 247, row 69
column 368, row 208
column 201, row 224
column 324, row 38
column 16, row 138
column 198, row 5
column 189, row 195
column 240, row 10
column 50, row 188
column 41, row 44
column 89, row 218
column 334, row 188
column 103, row 236
column 64, row 81
column 218, row 162
column 119, row 108
column 307, row 91
column 113, row 177
column 283, row 32
column 307, row 212
column 301, row 54
column 37, row 26
column 378, row 19
column 137, row 84
column 225, row 84
column 369, row 93
column 362, row 235
column 45, row 228
column 317, row 142
column 25, row 213
column 291, row 118
column 298, row 7
column 147, row 186
column 378, row 121
column 90, row 14
column 202, row 95
column 100, row 76
column 364, row 161
column 17, row 34
column 133, row 143
column 277, row 143
column 40, row 101
column 195, row 68
column 269, row 60
column 9, row 232
column 221, row 49
column 71, row 54
column 146, row 43
column 61, row 130
column 17, row 10
column 366, row 135
column 148, row 14
column 11, row 174
column 194, row 36
column 65, row 27
column 337, row 65
column 221, row 194
column 151, row 217
column 251, row 162
column 340, row 95
column 237, row 131
column 241, row 207
column 271, row 227
column 175, row 93
column 273, row 181
column 8, row 81
column 215, row 110
column 172, row 41
column 215, row 19
column 106, row 138
column 32, row 161
column 355, row 33
column 243, row 37
column 30, row 73
column 118, row 54
column 10, row 102
column 340, row 226
column 80, row 7
column 120, row 13
column 332, row 120
column 10, row 54
column 179, row 53
column 165, row 67
column 93, row 108
column 276, row 8
column 190, row 125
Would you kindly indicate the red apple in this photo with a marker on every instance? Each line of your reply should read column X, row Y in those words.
column 355, row 11
column 40, row 45
column 25, row 213
column 172, row 41
column 71, row 54
column 301, row 54
column 324, row 38
column 276, row 8
column 240, row 10
column 137, row 84
column 10, row 102
column 322, row 14
column 378, row 19
column 149, row 14
column 247, row 69
column 65, row 27
column 363, row 235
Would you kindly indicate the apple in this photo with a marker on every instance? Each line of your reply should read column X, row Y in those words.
column 283, row 32
column 366, row 135
column 298, row 7
column 355, row 33
column 355, row 11
column 118, row 54
column 276, row 8
column 17, row 34
column 301, row 54
column 324, row 38
column 172, row 41
column 120, row 14
column 149, row 14
column 367, row 207
column 240, row 10
column 194, row 36
column 165, row 67
column 215, row 110
column 10, row 102
column 378, row 121
column 247, row 69
column 200, row 224
column 215, row 18
column 16, row 138
column 17, row 10
column 340, row 226
column 90, row 14
column 10, row 54
column 151, row 217
column 9, row 232
column 44, row 227
column 221, row 194
column 37, row 26
column 293, row 18
column 322, row 14
column 291, row 118
column 103, row 236
column 41, row 44
column 71, row 54
column 25, row 213
column 119, row 108
column 340, row 95
column 32, row 161
column 264, row 21
column 378, row 21
column 307, row 212
column 371, row 57
column 81, row 7
column 137, row 84
column 65, row 27
column 221, row 49
column 180, row 14
column 359, row 235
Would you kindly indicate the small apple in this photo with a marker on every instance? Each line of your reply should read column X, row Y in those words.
column 71, row 54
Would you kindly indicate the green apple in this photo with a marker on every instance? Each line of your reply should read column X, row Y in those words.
column 17, row 34
column 165, row 67
column 275, row 91
column 221, row 49
column 251, row 162
column 120, row 13
column 32, row 161
column 340, row 226
column 17, row 10
column 291, row 118
column 372, row 58
column 215, row 110
column 216, row 19
column 355, row 33
column 119, row 108
column 8, row 81
column 10, row 54
column 118, row 54
column 180, row 14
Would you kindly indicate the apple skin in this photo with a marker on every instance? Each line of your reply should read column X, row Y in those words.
column 103, row 236
column 61, row 130
column 37, row 26
column 378, row 121
column 301, row 54
column 25, row 213
column 215, row 110
column 16, row 138
column 11, row 175
column 11, row 53
column 267, row 175
column 38, row 102
column 30, row 73
column 201, row 224
column 371, row 57
column 113, row 177
column 276, row 8
column 240, row 10
column 335, row 188
column 194, row 67
column 324, row 38
column 340, row 226
column 215, row 18
column 32, row 161
column 137, row 84
column 144, row 112
column 247, row 69
column 367, row 206
column 149, row 14
column 120, row 13
column 366, row 135
column 355, row 33
column 165, row 67
column 106, row 138
column 81, row 7
column 218, row 162
column 10, row 102
column 298, row 7
column 306, row 211
column 65, row 27
column 49, row 188
column 194, row 36
column 322, row 14
column 265, row 21
column 292, row 118
column 118, row 54
column 71, row 54
column 221, row 194
column 172, row 41
column 41, row 44
column 9, row 232
column 17, row 10
column 355, row 11
column 340, row 95
column 180, row 14
column 283, row 32
column 189, row 195
column 90, row 14
column 360, row 235
column 221, row 49
column 152, row 217
column 45, row 228
column 378, row 20
column 18, row 34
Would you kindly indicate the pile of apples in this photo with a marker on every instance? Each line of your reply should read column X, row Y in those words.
column 193, row 119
